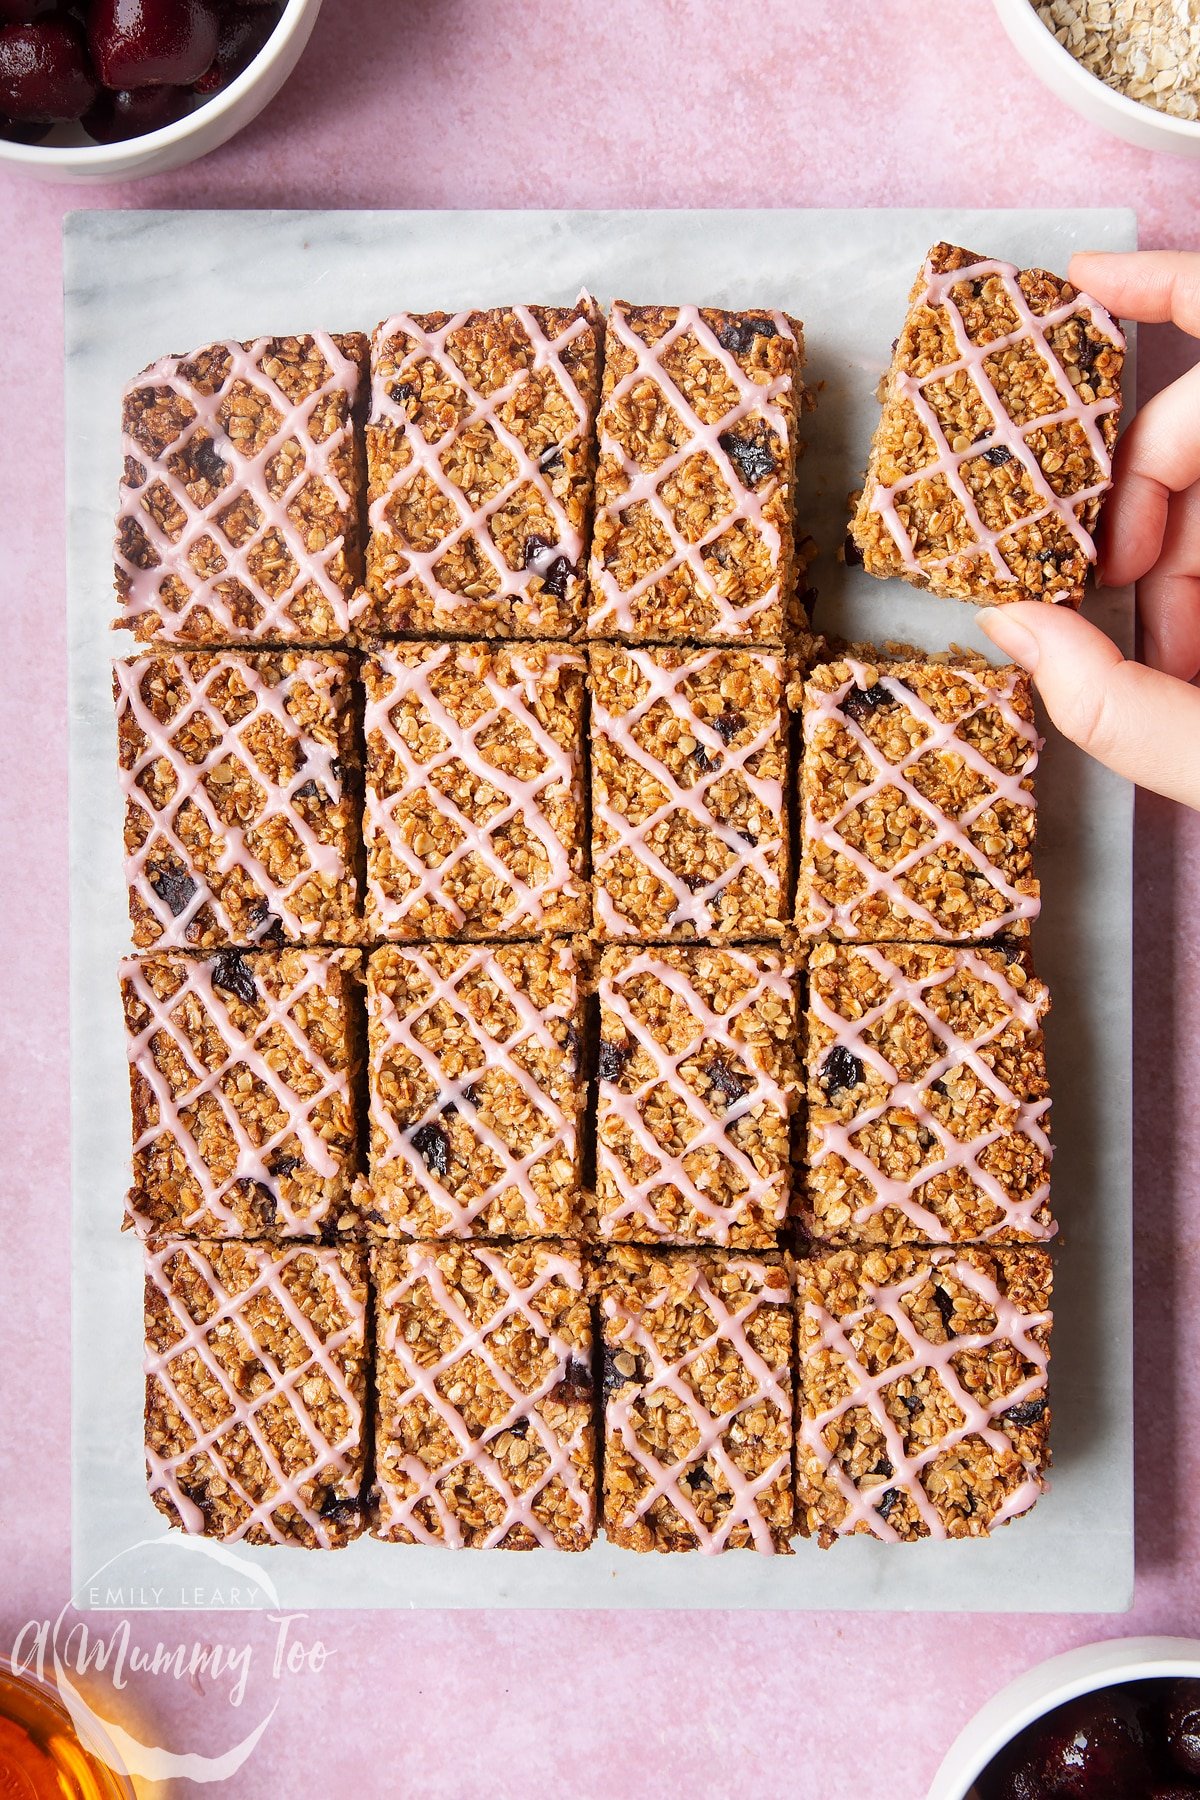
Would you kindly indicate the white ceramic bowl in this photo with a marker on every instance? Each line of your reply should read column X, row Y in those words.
column 1043, row 1688
column 1091, row 97
column 70, row 156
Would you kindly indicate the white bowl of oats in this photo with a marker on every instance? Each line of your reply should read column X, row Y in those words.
column 1132, row 66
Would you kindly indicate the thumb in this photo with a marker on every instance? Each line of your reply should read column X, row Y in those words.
column 1140, row 722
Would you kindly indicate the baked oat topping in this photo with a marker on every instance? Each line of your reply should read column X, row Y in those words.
column 480, row 455
column 240, row 494
column 241, row 823
column 697, row 1400
column 240, row 1076
column 474, row 820
column 922, row 1391
column 485, row 1436
column 994, row 448
column 256, row 1372
column 689, row 764
column 476, row 1091
column 694, row 534
column 918, row 801
column 696, row 1088
column 928, row 1102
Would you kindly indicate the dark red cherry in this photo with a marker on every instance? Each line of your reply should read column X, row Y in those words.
column 24, row 12
column 44, row 74
column 1093, row 1748
column 152, row 43
column 131, row 112
column 24, row 133
column 243, row 32
column 1181, row 1723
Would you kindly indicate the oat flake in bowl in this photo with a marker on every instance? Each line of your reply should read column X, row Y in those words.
column 1146, row 49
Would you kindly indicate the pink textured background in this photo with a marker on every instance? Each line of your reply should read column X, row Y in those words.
column 616, row 103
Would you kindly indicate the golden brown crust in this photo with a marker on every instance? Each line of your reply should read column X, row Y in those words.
column 1022, row 468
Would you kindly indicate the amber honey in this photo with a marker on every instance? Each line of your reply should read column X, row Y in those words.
column 41, row 1756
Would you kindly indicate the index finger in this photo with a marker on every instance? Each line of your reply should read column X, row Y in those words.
column 1153, row 286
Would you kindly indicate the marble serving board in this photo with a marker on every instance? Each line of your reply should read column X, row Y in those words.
column 141, row 283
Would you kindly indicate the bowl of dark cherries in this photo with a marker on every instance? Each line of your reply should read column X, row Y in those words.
column 97, row 90
column 1114, row 1721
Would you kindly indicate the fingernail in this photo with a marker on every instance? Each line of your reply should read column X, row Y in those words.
column 1014, row 639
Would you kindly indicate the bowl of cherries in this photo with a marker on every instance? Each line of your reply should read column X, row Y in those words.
column 96, row 90
column 1112, row 1721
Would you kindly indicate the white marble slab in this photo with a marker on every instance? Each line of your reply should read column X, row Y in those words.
column 140, row 283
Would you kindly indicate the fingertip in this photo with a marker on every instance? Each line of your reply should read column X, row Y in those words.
column 1011, row 635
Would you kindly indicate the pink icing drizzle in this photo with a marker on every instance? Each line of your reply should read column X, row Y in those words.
column 695, row 907
column 712, row 1029
column 524, row 799
column 473, row 521
column 316, row 762
column 948, row 462
column 213, row 1212
column 613, row 605
column 332, row 1463
column 428, row 1382
column 248, row 476
column 403, row 1033
column 771, row 1388
column 824, row 706
column 1017, row 1114
column 867, row 1390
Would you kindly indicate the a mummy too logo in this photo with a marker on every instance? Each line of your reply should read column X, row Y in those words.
column 125, row 1664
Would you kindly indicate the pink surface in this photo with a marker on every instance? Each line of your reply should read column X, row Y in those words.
column 614, row 104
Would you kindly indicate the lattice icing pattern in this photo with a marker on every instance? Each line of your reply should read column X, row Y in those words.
column 239, row 820
column 241, row 490
column 923, row 1391
column 994, row 450
column 689, row 765
column 240, row 1070
column 697, row 1401
column 928, row 1101
column 480, row 460
column 475, row 1091
column 474, row 815
column 694, row 534
column 255, row 1388
column 918, row 801
column 696, row 1085
column 485, row 1436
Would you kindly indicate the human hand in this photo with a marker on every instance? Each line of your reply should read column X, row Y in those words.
column 1142, row 719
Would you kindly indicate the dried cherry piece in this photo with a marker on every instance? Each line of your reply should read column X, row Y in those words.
column 232, row 972
column 152, row 43
column 727, row 1081
column 1027, row 1412
column 1181, row 1725
column 840, row 1071
column 727, row 724
column 752, row 455
column 998, row 454
column 44, row 73
column 739, row 334
column 432, row 1145
column 172, row 883
column 131, row 112
column 611, row 1060
column 861, row 702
